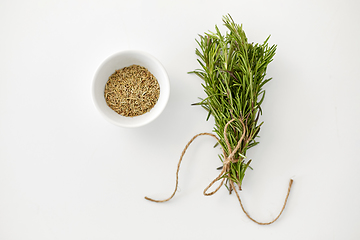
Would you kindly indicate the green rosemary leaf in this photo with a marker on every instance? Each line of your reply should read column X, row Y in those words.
column 262, row 97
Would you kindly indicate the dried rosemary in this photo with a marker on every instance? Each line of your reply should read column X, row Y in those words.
column 132, row 91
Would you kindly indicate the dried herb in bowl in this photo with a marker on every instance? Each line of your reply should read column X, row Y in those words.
column 132, row 91
column 234, row 73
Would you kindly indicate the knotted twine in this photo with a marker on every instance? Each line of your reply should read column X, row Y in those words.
column 226, row 165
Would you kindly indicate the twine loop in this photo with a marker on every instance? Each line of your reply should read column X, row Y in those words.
column 228, row 159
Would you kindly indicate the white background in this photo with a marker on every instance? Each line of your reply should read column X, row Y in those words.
column 66, row 173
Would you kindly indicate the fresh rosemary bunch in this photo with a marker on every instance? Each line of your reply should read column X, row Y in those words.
column 234, row 72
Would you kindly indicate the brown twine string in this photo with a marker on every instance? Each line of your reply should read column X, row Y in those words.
column 178, row 167
column 263, row 223
column 226, row 165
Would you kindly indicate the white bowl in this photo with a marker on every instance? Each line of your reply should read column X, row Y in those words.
column 121, row 60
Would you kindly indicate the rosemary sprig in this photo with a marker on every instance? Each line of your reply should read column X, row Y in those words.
column 234, row 72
